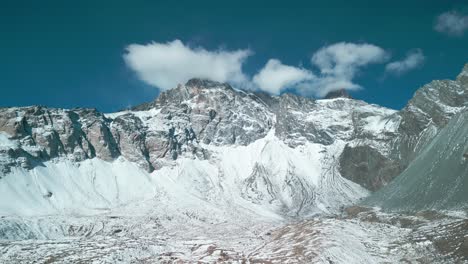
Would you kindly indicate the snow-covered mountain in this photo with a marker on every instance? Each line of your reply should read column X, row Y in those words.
column 217, row 142
column 206, row 153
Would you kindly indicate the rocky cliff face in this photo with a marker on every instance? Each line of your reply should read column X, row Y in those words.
column 430, row 109
column 37, row 134
column 437, row 179
column 150, row 135
column 371, row 144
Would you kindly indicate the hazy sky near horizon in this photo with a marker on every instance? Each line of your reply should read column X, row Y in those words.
column 115, row 54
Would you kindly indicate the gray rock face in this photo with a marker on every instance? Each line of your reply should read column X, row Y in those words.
column 422, row 118
column 374, row 144
column 130, row 135
column 202, row 113
column 427, row 113
column 290, row 124
column 437, row 179
column 366, row 166
column 214, row 113
column 40, row 134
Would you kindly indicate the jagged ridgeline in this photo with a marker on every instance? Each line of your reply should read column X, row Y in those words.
column 436, row 176
column 292, row 154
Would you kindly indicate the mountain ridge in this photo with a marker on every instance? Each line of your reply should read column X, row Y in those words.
column 349, row 141
column 175, row 98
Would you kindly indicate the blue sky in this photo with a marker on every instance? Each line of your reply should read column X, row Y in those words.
column 76, row 54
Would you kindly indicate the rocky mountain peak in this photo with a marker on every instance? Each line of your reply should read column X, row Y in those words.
column 183, row 92
column 463, row 76
column 206, row 84
column 342, row 93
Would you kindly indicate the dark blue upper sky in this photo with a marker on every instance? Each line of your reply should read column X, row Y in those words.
column 69, row 53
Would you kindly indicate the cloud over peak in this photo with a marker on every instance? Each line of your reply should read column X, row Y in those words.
column 274, row 77
column 334, row 67
column 339, row 63
column 452, row 23
column 413, row 60
column 337, row 66
column 164, row 65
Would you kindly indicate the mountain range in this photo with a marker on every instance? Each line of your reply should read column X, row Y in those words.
column 207, row 173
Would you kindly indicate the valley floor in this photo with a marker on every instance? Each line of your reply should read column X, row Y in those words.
column 359, row 235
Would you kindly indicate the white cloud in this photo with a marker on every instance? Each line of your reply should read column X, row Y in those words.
column 451, row 23
column 165, row 65
column 274, row 77
column 338, row 64
column 344, row 59
column 413, row 60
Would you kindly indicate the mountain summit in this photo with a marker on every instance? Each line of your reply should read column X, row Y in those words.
column 341, row 93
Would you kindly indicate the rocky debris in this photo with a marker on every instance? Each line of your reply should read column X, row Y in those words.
column 354, row 210
column 388, row 238
column 446, row 234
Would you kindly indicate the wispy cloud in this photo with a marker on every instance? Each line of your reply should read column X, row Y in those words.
column 452, row 23
column 413, row 60
column 165, row 65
